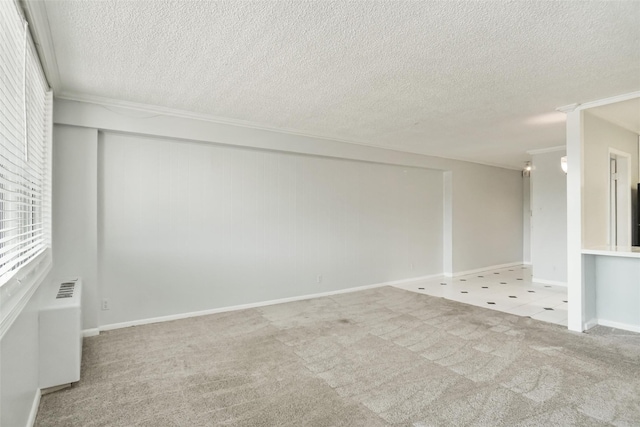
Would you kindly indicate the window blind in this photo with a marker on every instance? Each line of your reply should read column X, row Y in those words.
column 25, row 135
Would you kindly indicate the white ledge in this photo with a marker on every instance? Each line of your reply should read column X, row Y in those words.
column 619, row 251
column 15, row 294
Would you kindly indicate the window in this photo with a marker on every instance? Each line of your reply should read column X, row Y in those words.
column 25, row 134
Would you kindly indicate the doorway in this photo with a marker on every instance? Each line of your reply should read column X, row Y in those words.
column 619, row 198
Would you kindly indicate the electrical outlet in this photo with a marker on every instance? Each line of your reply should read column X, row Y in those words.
column 412, row 266
column 319, row 279
column 105, row 304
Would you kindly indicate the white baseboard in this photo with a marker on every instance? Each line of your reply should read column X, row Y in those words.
column 548, row 282
column 527, row 263
column 257, row 304
column 590, row 324
column 34, row 409
column 90, row 332
column 402, row 281
column 618, row 325
column 480, row 270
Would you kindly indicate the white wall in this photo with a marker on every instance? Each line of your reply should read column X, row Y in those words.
column 599, row 136
column 486, row 205
column 526, row 219
column 189, row 226
column 75, row 212
column 19, row 368
column 487, row 216
column 617, row 292
column 549, row 219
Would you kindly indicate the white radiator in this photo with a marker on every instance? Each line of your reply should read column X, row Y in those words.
column 60, row 334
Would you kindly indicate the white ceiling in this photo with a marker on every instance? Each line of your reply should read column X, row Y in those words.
column 469, row 80
column 625, row 114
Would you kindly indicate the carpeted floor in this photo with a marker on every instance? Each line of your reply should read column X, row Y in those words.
column 371, row 358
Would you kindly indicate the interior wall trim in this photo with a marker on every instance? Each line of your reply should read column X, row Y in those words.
column 548, row 150
column 36, row 13
column 142, row 111
column 549, row 282
column 487, row 268
column 590, row 324
column 113, row 326
column 31, row 421
column 90, row 332
column 607, row 101
column 618, row 325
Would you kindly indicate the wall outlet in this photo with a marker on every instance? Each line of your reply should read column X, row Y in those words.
column 319, row 279
column 105, row 304
column 412, row 266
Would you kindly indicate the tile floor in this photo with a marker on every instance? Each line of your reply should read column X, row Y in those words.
column 509, row 290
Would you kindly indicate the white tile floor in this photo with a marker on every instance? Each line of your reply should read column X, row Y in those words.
column 509, row 290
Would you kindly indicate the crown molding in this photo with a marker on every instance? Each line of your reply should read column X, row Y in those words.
column 548, row 150
column 149, row 110
column 567, row 108
column 599, row 102
column 36, row 14
column 610, row 100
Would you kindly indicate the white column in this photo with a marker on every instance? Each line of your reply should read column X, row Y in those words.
column 575, row 279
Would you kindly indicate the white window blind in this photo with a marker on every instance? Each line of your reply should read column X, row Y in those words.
column 25, row 135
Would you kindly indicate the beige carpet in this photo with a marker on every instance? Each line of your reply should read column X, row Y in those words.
column 371, row 358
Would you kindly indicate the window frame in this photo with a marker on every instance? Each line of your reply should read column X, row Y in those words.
column 25, row 197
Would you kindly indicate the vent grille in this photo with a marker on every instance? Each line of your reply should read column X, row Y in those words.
column 66, row 290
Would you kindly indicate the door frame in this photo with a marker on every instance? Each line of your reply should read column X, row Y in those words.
column 626, row 193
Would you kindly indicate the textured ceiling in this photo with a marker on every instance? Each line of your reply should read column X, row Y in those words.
column 470, row 80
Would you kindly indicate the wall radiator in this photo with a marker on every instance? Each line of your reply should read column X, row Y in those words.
column 60, row 323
